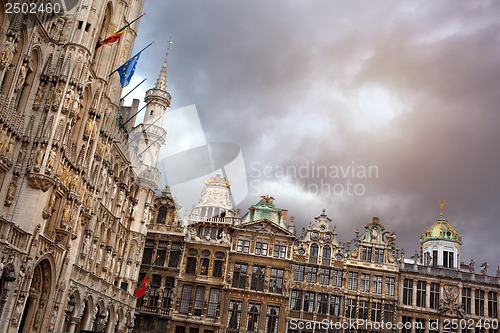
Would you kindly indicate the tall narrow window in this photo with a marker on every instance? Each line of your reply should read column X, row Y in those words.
column 272, row 319
column 379, row 256
column 191, row 265
column 276, row 281
column 309, row 301
column 253, row 316
column 363, row 310
column 479, row 302
column 335, row 306
column 162, row 215
column 434, row 296
column 350, row 311
column 258, row 276
column 408, row 292
column 434, row 258
column 337, row 278
column 198, row 300
column 313, row 253
column 204, row 263
column 234, row 315
column 377, row 284
column 296, row 300
column 239, row 275
column 312, row 273
column 324, row 276
column 218, row 268
column 352, row 282
column 322, row 304
column 492, row 304
column 213, row 302
column 327, row 255
column 366, row 254
column 389, row 286
column 185, row 299
column 298, row 272
column 389, row 313
column 365, row 283
column 421, row 286
column 376, row 311
column 467, row 299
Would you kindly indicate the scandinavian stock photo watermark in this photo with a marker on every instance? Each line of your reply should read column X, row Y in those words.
column 310, row 177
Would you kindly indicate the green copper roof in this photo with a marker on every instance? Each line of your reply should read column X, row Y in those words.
column 441, row 230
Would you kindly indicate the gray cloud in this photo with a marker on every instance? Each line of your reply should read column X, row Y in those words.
column 407, row 87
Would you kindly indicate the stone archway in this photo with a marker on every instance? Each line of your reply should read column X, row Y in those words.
column 36, row 307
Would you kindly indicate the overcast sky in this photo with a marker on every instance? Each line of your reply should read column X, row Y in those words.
column 410, row 89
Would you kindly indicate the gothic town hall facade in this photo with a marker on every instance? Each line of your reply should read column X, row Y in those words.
column 75, row 195
column 218, row 270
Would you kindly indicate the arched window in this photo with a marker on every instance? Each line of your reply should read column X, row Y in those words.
column 162, row 215
column 313, row 253
column 327, row 255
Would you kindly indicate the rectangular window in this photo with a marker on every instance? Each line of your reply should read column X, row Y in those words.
column 213, row 302
column 204, row 263
column 322, row 304
column 419, row 325
column 276, row 281
column 239, row 275
column 335, row 306
column 185, row 299
column 421, row 286
column 146, row 256
column 253, row 316
column 258, row 276
column 479, row 302
column 366, row 254
column 298, row 272
column 312, row 272
column 379, row 256
column 234, row 315
column 173, row 259
column 218, row 267
column 408, row 292
column 337, row 278
column 324, row 276
column 467, row 299
column 272, row 318
column 308, row 301
column 434, row 258
column 296, row 300
column 243, row 246
column 261, row 248
column 352, row 282
column 434, row 326
column 198, row 301
column 350, row 311
column 389, row 313
column 365, row 283
column 406, row 323
column 160, row 260
column 448, row 259
column 190, row 265
column 180, row 329
column 434, row 296
column 376, row 311
column 363, row 310
column 492, row 304
column 377, row 284
column 279, row 251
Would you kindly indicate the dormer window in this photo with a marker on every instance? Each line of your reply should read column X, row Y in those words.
column 315, row 235
column 328, row 237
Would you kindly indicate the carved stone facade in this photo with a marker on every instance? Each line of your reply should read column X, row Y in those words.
column 71, row 232
column 253, row 274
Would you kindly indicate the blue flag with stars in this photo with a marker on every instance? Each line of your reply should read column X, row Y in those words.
column 127, row 70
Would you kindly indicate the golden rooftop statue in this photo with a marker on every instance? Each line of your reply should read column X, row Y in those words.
column 442, row 203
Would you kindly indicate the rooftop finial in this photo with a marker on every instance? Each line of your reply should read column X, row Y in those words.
column 161, row 83
column 442, row 203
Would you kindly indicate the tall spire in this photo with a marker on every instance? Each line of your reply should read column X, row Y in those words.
column 161, row 82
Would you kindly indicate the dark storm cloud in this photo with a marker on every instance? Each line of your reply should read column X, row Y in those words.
column 410, row 88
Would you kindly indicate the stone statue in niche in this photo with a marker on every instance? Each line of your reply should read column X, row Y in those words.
column 68, row 98
column 8, row 52
column 52, row 159
column 22, row 76
column 39, row 157
column 39, row 93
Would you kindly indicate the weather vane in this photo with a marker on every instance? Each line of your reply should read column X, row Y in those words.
column 442, row 203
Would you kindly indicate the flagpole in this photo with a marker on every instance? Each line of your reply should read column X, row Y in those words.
column 121, row 99
column 135, row 114
column 130, row 23
column 132, row 57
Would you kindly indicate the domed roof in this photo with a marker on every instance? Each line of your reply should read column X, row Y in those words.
column 441, row 230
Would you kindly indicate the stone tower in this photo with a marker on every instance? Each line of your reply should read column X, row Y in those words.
column 75, row 200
